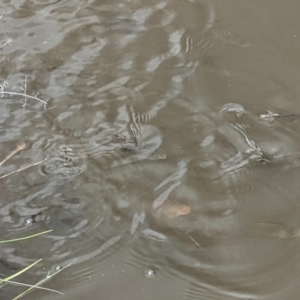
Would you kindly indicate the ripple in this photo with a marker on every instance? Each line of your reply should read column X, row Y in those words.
column 147, row 165
column 233, row 107
column 215, row 35
column 64, row 165
column 79, row 230
column 238, row 143
column 60, row 167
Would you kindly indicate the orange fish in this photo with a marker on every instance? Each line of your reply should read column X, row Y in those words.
column 172, row 211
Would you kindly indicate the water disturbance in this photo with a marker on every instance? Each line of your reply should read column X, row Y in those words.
column 158, row 141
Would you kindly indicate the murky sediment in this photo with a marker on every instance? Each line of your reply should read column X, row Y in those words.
column 160, row 143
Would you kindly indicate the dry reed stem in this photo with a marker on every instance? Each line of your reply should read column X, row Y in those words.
column 15, row 151
column 24, row 168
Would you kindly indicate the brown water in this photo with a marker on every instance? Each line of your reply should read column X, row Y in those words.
column 172, row 142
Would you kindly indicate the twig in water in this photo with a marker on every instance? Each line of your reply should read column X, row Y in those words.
column 25, row 90
column 7, row 42
column 195, row 242
column 19, row 148
column 24, row 94
column 24, row 168
column 28, row 96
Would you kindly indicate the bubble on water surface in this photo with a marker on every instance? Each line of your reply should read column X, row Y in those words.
column 58, row 268
column 149, row 273
column 28, row 221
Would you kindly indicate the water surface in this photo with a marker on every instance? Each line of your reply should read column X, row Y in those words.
column 170, row 131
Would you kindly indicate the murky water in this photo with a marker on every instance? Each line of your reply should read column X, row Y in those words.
column 169, row 135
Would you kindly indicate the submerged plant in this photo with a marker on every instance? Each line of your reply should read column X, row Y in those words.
column 15, row 151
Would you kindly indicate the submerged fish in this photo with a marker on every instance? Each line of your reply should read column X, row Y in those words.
column 172, row 210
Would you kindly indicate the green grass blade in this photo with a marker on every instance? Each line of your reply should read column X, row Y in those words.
column 43, row 280
column 20, row 272
column 37, row 287
column 25, row 237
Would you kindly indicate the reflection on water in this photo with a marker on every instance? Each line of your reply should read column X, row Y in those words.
column 169, row 148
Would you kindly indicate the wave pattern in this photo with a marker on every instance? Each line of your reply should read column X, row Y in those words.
column 168, row 145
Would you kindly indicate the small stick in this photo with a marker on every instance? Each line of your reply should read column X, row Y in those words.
column 8, row 41
column 24, row 168
column 19, row 148
column 195, row 242
column 23, row 95
column 25, row 90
